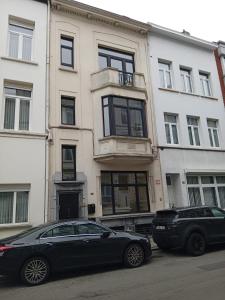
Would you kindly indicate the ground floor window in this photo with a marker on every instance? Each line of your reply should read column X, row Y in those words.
column 13, row 207
column 124, row 192
column 206, row 190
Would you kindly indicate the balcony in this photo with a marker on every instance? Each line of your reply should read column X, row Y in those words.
column 111, row 77
column 130, row 150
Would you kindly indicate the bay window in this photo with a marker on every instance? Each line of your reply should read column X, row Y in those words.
column 124, row 117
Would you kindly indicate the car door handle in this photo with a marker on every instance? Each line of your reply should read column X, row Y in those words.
column 86, row 241
column 49, row 244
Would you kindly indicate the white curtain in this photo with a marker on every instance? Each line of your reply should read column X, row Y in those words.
column 21, row 207
column 9, row 113
column 24, row 114
column 6, row 207
column 13, row 44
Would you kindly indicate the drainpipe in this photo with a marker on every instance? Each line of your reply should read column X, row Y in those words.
column 47, row 112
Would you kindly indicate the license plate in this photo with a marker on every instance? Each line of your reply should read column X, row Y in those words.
column 161, row 227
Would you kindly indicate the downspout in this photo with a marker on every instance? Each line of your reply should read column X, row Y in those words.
column 47, row 113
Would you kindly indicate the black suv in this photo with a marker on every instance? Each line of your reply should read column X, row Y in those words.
column 190, row 228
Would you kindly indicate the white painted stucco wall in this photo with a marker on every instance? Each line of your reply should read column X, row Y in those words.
column 22, row 155
column 177, row 160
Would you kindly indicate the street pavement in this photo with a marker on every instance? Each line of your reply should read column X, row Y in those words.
column 168, row 276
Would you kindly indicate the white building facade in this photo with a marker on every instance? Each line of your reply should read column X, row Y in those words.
column 23, row 118
column 189, row 118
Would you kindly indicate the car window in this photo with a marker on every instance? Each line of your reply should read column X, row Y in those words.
column 217, row 212
column 188, row 214
column 90, row 229
column 62, row 230
column 204, row 213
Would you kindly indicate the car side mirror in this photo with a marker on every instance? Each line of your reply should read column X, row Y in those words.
column 105, row 234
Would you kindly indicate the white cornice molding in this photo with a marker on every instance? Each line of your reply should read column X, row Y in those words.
column 98, row 15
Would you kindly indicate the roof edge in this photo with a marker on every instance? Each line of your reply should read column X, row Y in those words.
column 185, row 37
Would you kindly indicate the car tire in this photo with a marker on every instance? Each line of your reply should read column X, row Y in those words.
column 196, row 244
column 35, row 271
column 134, row 256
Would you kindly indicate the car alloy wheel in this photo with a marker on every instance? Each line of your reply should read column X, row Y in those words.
column 196, row 244
column 134, row 256
column 35, row 271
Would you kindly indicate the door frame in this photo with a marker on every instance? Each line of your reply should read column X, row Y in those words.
column 78, row 193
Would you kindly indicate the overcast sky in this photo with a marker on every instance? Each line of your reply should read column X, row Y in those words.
column 202, row 18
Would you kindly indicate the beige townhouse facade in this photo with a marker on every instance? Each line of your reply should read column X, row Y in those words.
column 102, row 160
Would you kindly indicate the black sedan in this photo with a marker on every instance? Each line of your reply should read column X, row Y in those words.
column 34, row 254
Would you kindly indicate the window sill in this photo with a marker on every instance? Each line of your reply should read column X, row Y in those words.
column 22, row 133
column 67, row 69
column 68, row 127
column 119, row 137
column 29, row 62
column 186, row 93
column 193, row 148
column 19, row 225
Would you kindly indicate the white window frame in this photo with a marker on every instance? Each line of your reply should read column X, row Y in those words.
column 14, row 206
column 193, row 127
column 201, row 185
column 166, row 84
column 170, row 129
column 20, row 38
column 211, row 129
column 205, row 81
column 17, row 108
column 186, row 77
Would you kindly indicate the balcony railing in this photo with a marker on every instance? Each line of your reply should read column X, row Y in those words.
column 126, row 79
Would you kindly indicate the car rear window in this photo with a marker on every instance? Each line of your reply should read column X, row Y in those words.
column 188, row 214
column 166, row 214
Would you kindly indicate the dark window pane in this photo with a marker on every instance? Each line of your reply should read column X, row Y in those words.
column 136, row 122
column 67, row 42
column 68, row 111
column 207, row 179
column 210, row 196
column 124, row 178
column 119, row 54
column 121, row 121
column 102, row 62
column 141, row 178
column 192, row 179
column 23, row 93
column 9, row 119
column 24, row 115
column 119, row 101
column 221, row 191
column 125, row 199
column 136, row 104
column 194, row 196
column 106, row 121
column 68, row 163
column 107, row 207
column 67, row 57
column 217, row 212
column 117, row 64
column 143, row 198
column 106, row 178
column 129, row 67
column 220, row 179
column 6, row 207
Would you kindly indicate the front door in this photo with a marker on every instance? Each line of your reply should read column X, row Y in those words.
column 68, row 205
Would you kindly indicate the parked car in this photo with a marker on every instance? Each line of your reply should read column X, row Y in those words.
column 34, row 254
column 191, row 228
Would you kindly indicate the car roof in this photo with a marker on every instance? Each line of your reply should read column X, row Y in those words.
column 177, row 209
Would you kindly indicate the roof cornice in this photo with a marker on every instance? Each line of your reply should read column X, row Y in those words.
column 99, row 15
column 182, row 37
